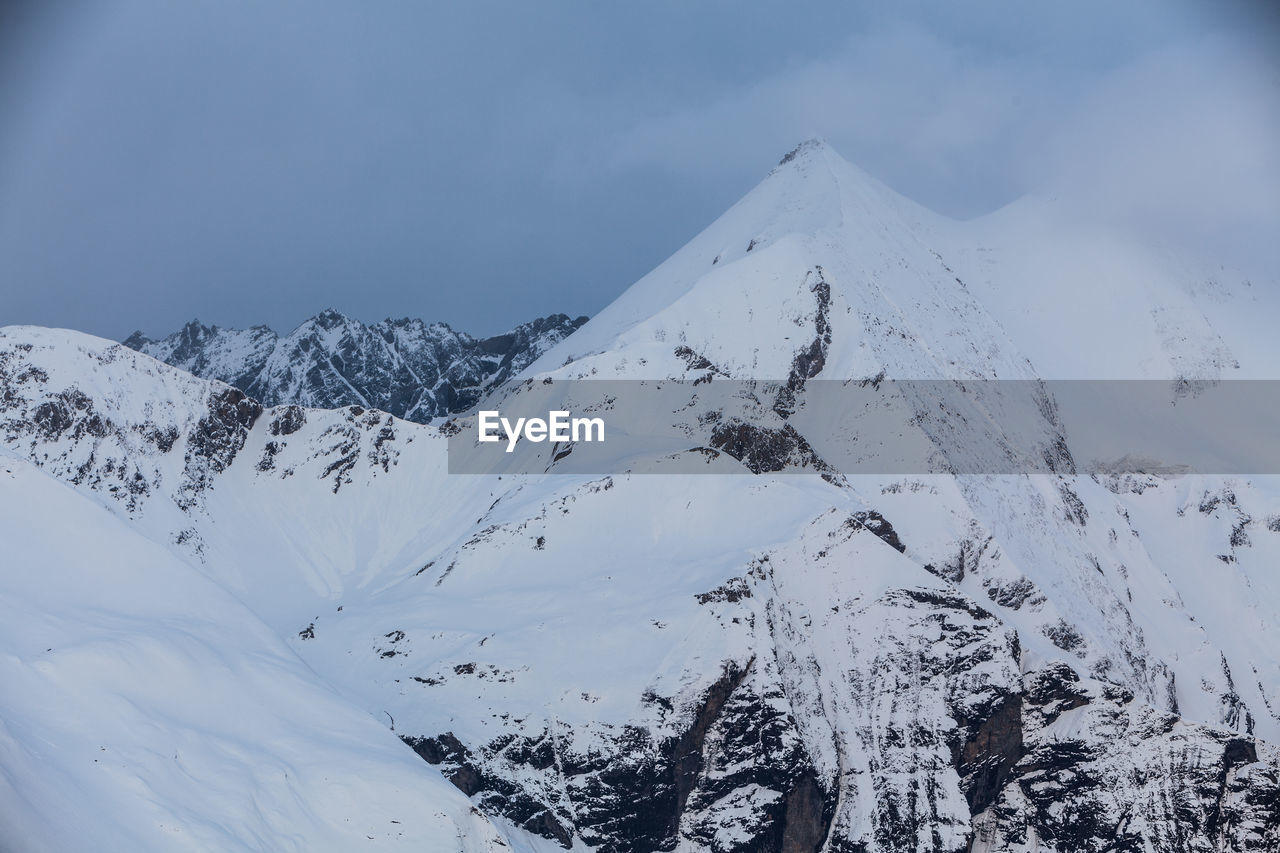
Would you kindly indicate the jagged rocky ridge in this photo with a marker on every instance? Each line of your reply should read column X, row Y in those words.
column 1063, row 662
column 411, row 369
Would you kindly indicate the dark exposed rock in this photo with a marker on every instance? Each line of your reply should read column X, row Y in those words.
column 694, row 361
column 162, row 439
column 1224, row 503
column 646, row 792
column 69, row 413
column 764, row 449
column 806, row 818
column 753, row 745
column 1075, row 507
column 810, row 360
column 635, row 803
column 1126, row 777
column 987, row 757
column 1055, row 689
column 1014, row 593
column 1064, row 636
column 687, row 750
column 288, row 420
column 732, row 590
column 215, row 441
column 447, row 748
column 876, row 523
column 945, row 601
column 269, row 452
column 970, row 552
column 221, row 433
column 807, row 146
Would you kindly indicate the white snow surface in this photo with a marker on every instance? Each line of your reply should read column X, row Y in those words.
column 146, row 708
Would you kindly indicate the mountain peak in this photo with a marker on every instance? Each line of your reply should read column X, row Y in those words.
column 196, row 330
column 809, row 148
column 330, row 318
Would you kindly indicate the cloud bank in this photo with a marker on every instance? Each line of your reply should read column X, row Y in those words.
column 484, row 163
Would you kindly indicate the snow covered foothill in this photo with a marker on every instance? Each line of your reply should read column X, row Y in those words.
column 145, row 708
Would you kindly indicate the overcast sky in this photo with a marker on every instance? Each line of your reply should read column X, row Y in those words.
column 246, row 161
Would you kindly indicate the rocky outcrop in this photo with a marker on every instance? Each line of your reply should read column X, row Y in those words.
column 731, row 775
column 216, row 439
column 765, row 449
column 810, row 360
column 1099, row 771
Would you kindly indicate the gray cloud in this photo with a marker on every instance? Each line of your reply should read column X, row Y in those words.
column 485, row 162
column 1182, row 144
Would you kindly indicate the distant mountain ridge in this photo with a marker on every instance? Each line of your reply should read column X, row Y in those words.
column 414, row 370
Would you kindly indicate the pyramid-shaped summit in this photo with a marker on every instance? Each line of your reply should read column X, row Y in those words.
column 915, row 294
column 743, row 293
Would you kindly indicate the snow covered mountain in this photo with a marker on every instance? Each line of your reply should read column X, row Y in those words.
column 770, row 662
column 406, row 367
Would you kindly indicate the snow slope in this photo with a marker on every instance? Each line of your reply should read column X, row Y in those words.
column 145, row 708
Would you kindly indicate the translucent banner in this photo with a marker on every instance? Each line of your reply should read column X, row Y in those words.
column 871, row 426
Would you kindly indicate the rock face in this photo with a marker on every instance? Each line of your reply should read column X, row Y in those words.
column 788, row 660
column 405, row 367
